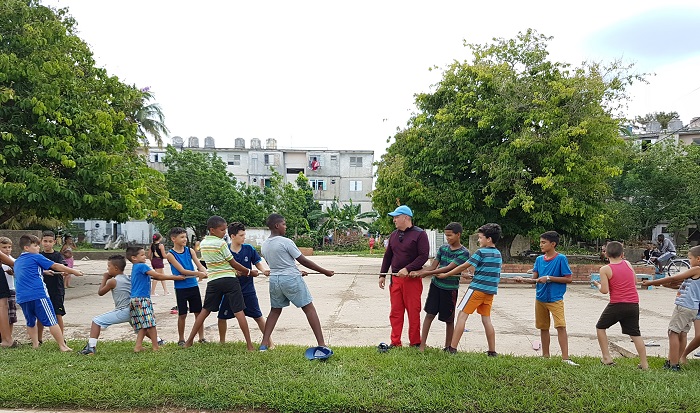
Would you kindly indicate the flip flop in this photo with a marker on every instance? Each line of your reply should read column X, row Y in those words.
column 652, row 343
column 611, row 364
column 536, row 345
column 318, row 353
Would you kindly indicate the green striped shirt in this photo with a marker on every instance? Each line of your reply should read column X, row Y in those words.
column 216, row 254
column 445, row 256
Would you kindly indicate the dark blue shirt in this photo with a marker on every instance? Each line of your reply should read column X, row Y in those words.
column 247, row 257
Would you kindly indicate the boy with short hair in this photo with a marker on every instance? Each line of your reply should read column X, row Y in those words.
column 484, row 286
column 182, row 262
column 223, row 282
column 31, row 292
column 286, row 284
column 550, row 274
column 119, row 284
column 620, row 281
column 442, row 296
column 53, row 281
column 8, row 306
column 686, row 311
column 246, row 255
column 140, row 306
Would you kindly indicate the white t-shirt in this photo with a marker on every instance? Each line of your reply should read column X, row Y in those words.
column 281, row 254
column 10, row 278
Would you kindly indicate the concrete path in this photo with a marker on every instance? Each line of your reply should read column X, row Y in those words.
column 355, row 312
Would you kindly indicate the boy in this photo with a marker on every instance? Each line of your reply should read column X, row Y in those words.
column 484, row 286
column 119, row 284
column 53, row 281
column 140, row 305
column 31, row 292
column 247, row 256
column 442, row 296
column 550, row 274
column 8, row 306
column 223, row 282
column 286, row 284
column 182, row 262
column 687, row 304
column 619, row 279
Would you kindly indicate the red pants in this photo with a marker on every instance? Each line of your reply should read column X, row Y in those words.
column 405, row 296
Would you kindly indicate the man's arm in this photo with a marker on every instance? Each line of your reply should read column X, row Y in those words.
column 107, row 284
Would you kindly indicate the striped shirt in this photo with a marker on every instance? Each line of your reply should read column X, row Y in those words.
column 487, row 270
column 445, row 256
column 216, row 254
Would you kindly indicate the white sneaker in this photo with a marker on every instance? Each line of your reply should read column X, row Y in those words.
column 569, row 362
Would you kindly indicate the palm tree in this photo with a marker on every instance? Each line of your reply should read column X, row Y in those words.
column 150, row 119
column 335, row 217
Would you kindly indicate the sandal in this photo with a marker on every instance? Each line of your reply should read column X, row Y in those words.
column 611, row 364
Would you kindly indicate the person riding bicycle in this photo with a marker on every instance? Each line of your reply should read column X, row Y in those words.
column 667, row 250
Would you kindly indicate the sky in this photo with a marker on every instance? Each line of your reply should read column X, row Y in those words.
column 342, row 75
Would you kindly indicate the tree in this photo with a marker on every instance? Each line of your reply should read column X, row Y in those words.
column 512, row 138
column 662, row 117
column 68, row 148
column 337, row 217
column 294, row 202
column 150, row 119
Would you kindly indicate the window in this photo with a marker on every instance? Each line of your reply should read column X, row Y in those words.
column 156, row 157
column 334, row 158
column 317, row 184
column 355, row 161
column 269, row 159
column 235, row 160
column 315, row 162
column 294, row 171
column 355, row 185
column 267, row 183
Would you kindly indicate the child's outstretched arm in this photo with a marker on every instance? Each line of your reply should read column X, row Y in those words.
column 62, row 268
column 694, row 271
column 313, row 266
column 243, row 271
column 164, row 277
column 197, row 262
column 5, row 259
column 107, row 284
column 604, row 284
column 457, row 270
column 432, row 269
column 174, row 263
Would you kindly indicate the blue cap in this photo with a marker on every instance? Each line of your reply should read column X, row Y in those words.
column 402, row 210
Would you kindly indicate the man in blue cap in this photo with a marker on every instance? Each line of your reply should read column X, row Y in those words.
column 407, row 251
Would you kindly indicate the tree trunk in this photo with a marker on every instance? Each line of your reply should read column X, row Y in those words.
column 504, row 245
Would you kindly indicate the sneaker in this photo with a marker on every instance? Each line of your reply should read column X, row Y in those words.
column 676, row 367
column 492, row 354
column 667, row 365
column 262, row 348
column 415, row 345
column 162, row 342
column 570, row 362
column 383, row 347
column 450, row 350
column 88, row 351
column 181, row 343
column 697, row 354
column 204, row 341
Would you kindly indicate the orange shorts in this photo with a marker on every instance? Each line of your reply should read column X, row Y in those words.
column 476, row 300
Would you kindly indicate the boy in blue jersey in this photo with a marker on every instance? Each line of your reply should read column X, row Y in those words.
column 550, row 274
column 182, row 262
column 484, row 286
column 141, row 308
column 442, row 296
column 247, row 256
column 31, row 291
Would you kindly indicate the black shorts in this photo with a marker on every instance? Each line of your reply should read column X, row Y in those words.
column 188, row 298
column 252, row 307
column 224, row 287
column 627, row 314
column 57, row 301
column 442, row 303
column 4, row 287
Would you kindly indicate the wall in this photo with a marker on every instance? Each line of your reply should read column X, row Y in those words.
column 14, row 236
column 580, row 272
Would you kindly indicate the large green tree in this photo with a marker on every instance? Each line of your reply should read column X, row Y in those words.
column 68, row 148
column 513, row 138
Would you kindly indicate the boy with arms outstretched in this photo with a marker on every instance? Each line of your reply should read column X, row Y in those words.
column 442, row 296
column 223, row 283
column 182, row 262
column 31, row 292
column 550, row 274
column 484, row 286
column 140, row 306
column 247, row 256
column 286, row 284
column 686, row 311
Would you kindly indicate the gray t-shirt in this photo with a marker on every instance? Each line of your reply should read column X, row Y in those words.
column 121, row 294
column 281, row 254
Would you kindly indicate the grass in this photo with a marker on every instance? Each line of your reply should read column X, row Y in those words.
column 355, row 379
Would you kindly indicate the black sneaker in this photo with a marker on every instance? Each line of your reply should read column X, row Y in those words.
column 162, row 342
column 676, row 367
column 667, row 365
column 450, row 350
column 88, row 351
column 492, row 354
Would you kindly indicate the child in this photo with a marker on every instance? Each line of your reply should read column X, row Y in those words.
column 156, row 253
column 31, row 292
column 479, row 296
column 442, row 295
column 286, row 284
column 247, row 256
column 53, row 281
column 182, row 262
column 140, row 306
column 371, row 244
column 119, row 284
column 687, row 304
column 550, row 274
column 222, row 279
column 8, row 307
column 67, row 252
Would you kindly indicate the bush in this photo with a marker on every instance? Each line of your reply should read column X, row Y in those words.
column 304, row 241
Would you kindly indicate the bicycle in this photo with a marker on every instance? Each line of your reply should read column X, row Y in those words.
column 674, row 266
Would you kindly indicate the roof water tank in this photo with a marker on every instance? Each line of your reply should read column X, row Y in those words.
column 193, row 142
column 271, row 143
column 255, row 143
column 675, row 125
column 178, row 142
column 653, row 126
column 239, row 143
column 209, row 142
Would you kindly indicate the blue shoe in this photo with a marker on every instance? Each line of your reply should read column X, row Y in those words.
column 262, row 348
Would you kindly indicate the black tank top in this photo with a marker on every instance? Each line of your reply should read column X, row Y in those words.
column 155, row 251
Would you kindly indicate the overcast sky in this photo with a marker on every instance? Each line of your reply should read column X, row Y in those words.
column 342, row 75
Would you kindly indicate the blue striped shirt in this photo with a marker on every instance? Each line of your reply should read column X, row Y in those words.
column 487, row 270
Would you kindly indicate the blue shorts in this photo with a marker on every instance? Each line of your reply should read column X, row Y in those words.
column 116, row 316
column 41, row 310
column 252, row 307
column 289, row 288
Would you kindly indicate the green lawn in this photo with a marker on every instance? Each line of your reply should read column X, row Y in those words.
column 355, row 379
